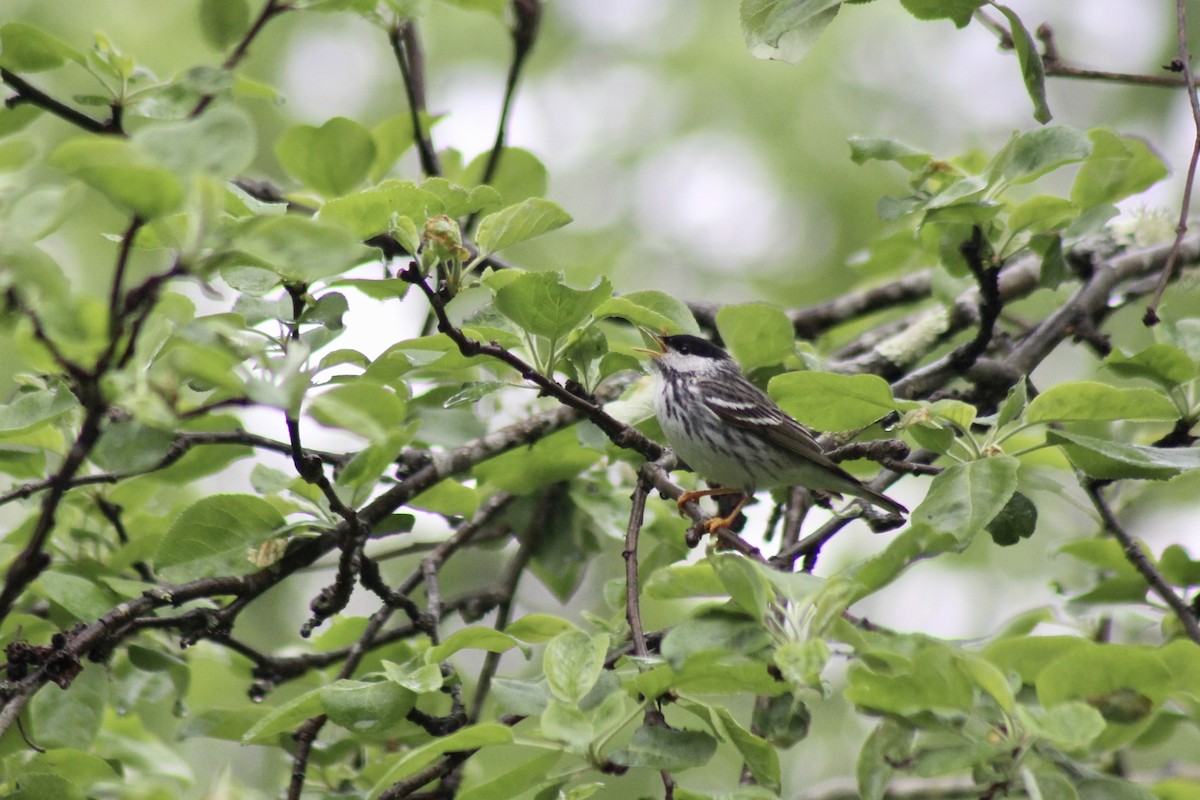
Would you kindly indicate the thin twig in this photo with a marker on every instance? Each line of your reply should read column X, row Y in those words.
column 1184, row 62
column 406, row 46
column 1137, row 558
column 618, row 432
column 527, row 20
column 272, row 9
column 507, row 594
column 27, row 93
column 633, row 610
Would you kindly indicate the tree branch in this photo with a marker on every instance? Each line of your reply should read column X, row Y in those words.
column 618, row 432
column 28, row 93
column 406, row 46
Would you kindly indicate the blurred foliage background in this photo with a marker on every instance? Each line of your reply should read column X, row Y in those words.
column 690, row 167
column 687, row 164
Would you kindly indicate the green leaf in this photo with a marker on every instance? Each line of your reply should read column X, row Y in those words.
column 129, row 446
column 757, row 334
column 124, row 175
column 393, row 137
column 988, row 678
column 81, row 597
column 801, row 663
column 889, row 744
column 284, row 719
column 24, row 48
column 1098, row 402
column 542, row 303
column 784, row 720
column 510, row 783
column 79, row 768
column 666, row 749
column 1043, row 150
column 364, row 707
column 715, row 673
column 471, row 737
column 222, row 22
column 220, row 142
column 827, row 401
column 714, row 631
column 492, row 7
column 458, row 201
column 931, row 682
column 473, row 392
column 44, row 786
column 71, row 718
column 419, row 679
column 15, row 119
column 519, row 175
column 1070, row 726
column 1042, row 213
column 679, row 581
column 1119, row 166
column 864, row 149
column 537, row 628
column 572, row 663
column 30, row 410
column 518, row 223
column 301, row 250
column 651, row 309
column 1027, row 656
column 473, row 637
column 745, row 584
column 1032, row 69
column 784, row 29
column 957, row 11
column 1014, row 403
column 40, row 212
column 16, row 154
column 447, row 497
column 371, row 211
column 555, row 458
column 567, row 724
column 371, row 410
column 1016, row 521
column 1109, row 460
column 520, row 697
column 1111, row 678
column 1178, row 567
column 964, row 498
column 1165, row 364
column 331, row 159
column 213, row 536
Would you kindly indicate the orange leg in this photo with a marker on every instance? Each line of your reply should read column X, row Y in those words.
column 715, row 522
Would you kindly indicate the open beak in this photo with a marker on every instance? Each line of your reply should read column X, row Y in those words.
column 657, row 340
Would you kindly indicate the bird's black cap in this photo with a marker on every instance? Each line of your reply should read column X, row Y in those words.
column 688, row 345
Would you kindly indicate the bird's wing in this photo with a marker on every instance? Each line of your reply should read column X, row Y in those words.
column 744, row 405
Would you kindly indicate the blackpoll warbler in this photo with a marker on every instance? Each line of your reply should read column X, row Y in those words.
column 732, row 434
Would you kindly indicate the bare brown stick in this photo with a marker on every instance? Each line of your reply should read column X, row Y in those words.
column 406, row 46
column 633, row 610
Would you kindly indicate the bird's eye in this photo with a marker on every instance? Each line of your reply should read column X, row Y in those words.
column 685, row 349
